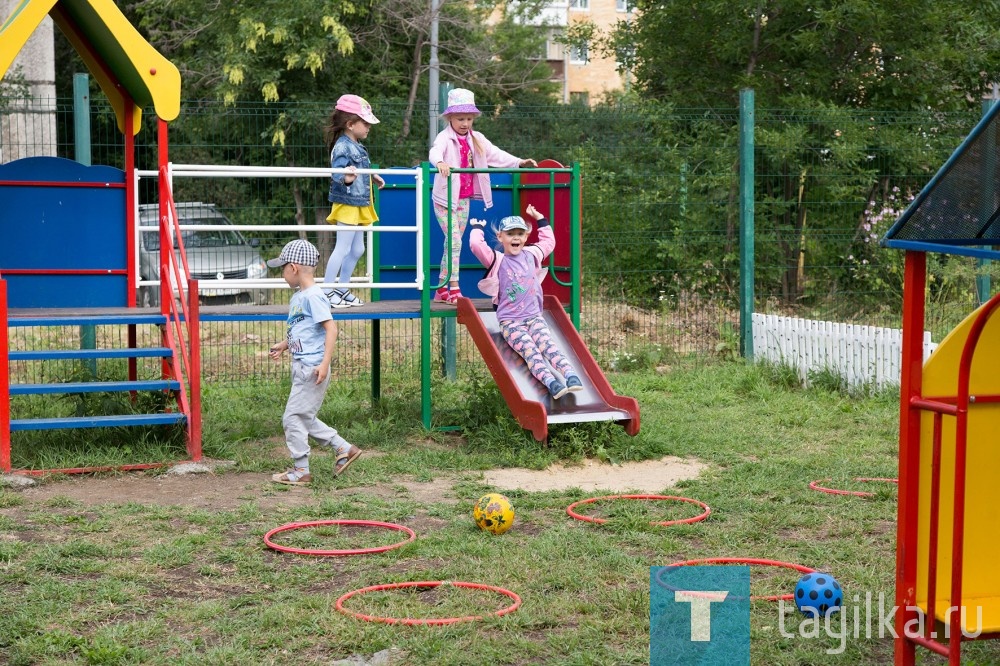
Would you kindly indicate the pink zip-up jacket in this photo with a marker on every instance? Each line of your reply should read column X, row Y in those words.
column 491, row 258
column 446, row 149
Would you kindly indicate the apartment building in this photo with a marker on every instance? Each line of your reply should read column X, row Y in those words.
column 584, row 76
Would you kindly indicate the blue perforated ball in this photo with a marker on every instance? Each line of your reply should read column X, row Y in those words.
column 818, row 594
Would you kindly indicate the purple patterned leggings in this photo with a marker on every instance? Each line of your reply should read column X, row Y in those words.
column 532, row 340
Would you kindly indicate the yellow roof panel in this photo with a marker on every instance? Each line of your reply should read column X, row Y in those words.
column 127, row 68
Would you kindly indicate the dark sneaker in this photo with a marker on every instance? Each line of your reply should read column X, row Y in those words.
column 573, row 383
column 557, row 389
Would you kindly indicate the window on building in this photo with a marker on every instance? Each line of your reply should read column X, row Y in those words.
column 578, row 55
column 623, row 5
column 579, row 98
column 579, row 4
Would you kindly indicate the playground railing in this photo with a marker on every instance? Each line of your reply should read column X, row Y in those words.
column 551, row 214
column 551, row 172
column 367, row 281
column 182, row 317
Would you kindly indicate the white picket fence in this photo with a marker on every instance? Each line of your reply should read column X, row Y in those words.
column 863, row 355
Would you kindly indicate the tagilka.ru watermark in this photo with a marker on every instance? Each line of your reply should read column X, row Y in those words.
column 867, row 619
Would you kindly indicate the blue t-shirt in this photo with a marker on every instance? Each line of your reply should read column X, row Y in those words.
column 307, row 311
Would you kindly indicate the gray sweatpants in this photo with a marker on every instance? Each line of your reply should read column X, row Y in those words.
column 304, row 401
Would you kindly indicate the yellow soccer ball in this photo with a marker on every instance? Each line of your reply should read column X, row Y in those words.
column 494, row 513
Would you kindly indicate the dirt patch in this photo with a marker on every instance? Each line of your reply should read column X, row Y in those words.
column 648, row 476
column 229, row 490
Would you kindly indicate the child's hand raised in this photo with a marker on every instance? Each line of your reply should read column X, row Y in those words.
column 527, row 163
column 533, row 212
column 477, row 223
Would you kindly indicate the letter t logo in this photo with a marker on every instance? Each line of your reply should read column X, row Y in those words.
column 701, row 610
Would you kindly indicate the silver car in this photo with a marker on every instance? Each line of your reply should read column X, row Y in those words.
column 219, row 254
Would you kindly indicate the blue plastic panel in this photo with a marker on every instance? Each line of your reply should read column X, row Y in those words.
column 398, row 252
column 62, row 227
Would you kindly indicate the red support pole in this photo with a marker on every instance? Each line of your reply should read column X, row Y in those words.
column 131, row 197
column 911, row 379
column 4, row 383
column 166, row 245
column 932, row 549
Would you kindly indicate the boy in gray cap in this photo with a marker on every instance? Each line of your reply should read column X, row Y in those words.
column 310, row 336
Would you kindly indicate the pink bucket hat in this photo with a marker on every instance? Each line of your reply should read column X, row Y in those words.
column 357, row 106
column 461, row 100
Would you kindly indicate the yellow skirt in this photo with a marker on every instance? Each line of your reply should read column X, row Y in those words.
column 359, row 215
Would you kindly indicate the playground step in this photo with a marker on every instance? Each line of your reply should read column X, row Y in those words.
column 95, row 387
column 97, row 421
column 70, row 354
column 82, row 317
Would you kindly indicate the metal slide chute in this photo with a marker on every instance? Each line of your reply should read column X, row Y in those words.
column 528, row 400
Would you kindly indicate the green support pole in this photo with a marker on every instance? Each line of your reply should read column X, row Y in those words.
column 983, row 280
column 574, row 245
column 449, row 325
column 376, row 361
column 81, row 134
column 425, row 304
column 746, row 222
column 376, row 295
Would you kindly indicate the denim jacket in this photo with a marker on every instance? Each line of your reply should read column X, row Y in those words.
column 347, row 153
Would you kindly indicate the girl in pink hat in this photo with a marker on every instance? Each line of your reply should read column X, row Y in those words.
column 350, row 193
column 458, row 146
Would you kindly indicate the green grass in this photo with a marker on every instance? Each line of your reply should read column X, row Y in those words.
column 132, row 583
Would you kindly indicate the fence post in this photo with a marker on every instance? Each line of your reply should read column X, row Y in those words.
column 81, row 148
column 746, row 222
column 983, row 286
column 449, row 326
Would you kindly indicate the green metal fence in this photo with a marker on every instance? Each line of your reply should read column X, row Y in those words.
column 660, row 211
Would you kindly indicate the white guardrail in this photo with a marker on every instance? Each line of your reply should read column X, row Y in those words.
column 365, row 281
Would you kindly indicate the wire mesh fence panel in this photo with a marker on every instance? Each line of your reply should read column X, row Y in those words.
column 828, row 187
column 660, row 214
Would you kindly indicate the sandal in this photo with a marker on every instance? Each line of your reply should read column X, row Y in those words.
column 443, row 295
column 293, row 477
column 454, row 294
column 344, row 460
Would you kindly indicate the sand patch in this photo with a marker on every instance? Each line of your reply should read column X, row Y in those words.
column 648, row 476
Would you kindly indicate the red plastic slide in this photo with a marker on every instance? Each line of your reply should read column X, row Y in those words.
column 528, row 400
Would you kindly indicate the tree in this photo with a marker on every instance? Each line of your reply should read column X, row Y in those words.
column 309, row 53
column 851, row 53
column 823, row 64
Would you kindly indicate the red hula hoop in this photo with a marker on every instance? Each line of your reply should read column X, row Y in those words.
column 856, row 493
column 600, row 521
column 331, row 553
column 745, row 560
column 409, row 621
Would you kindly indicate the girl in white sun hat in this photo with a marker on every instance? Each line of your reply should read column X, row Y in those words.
column 350, row 194
column 458, row 146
